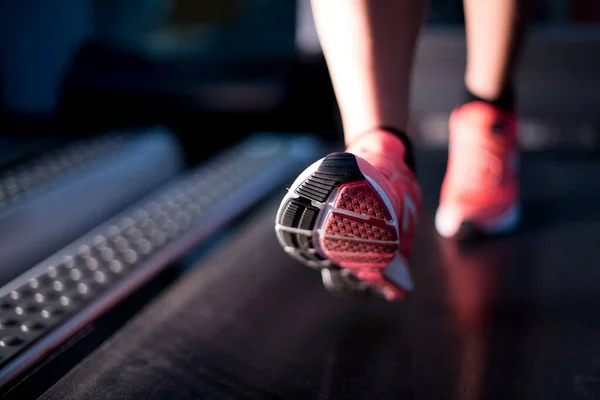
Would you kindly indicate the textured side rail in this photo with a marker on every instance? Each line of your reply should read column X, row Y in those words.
column 42, row 308
column 26, row 178
column 61, row 195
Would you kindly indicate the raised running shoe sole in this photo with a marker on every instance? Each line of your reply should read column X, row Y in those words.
column 337, row 219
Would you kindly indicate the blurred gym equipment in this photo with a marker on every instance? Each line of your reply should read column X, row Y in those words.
column 510, row 318
column 52, row 198
column 46, row 305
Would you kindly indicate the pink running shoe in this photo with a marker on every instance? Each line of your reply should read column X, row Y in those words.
column 480, row 193
column 353, row 215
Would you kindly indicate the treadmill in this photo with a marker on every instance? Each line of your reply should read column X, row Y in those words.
column 47, row 308
column 54, row 189
column 181, row 291
column 232, row 316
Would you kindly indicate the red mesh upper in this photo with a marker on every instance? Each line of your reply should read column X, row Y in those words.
column 362, row 199
column 341, row 225
column 357, row 247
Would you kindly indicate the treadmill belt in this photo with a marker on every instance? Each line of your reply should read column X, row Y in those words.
column 512, row 318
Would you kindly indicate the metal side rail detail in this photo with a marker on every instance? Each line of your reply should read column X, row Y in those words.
column 80, row 191
column 24, row 179
column 42, row 308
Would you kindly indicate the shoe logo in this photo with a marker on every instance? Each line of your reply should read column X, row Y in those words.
column 410, row 208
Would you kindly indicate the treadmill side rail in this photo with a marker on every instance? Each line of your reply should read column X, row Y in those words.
column 44, row 307
column 77, row 193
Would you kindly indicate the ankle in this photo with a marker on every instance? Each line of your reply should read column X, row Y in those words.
column 385, row 140
column 409, row 156
column 505, row 100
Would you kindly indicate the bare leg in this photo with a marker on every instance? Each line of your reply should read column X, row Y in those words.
column 495, row 29
column 483, row 131
column 369, row 46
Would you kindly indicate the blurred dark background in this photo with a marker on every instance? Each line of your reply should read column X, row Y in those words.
column 221, row 69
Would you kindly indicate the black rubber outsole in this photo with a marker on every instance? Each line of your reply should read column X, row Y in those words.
column 335, row 170
column 468, row 232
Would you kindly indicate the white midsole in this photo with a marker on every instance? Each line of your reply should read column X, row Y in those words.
column 504, row 223
column 398, row 270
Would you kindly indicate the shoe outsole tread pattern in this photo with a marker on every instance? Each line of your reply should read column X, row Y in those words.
column 359, row 239
column 336, row 168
